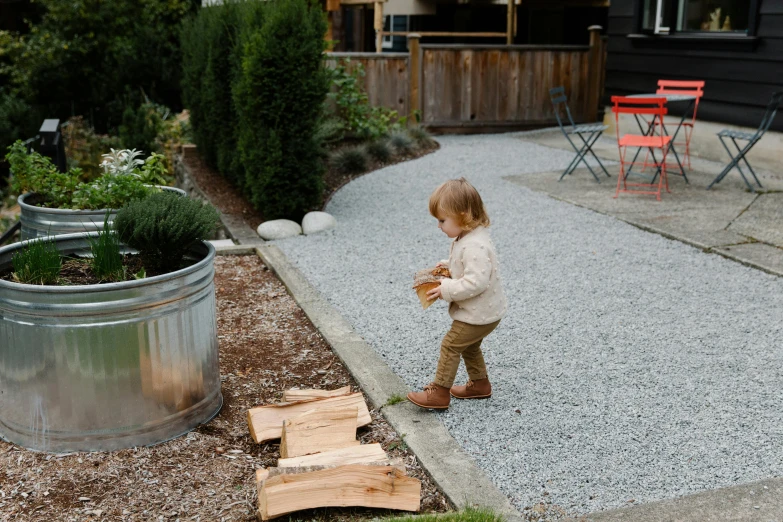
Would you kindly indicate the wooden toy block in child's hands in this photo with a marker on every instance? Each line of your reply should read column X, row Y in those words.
column 427, row 279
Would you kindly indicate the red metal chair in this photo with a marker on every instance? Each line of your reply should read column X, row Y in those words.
column 655, row 107
column 692, row 87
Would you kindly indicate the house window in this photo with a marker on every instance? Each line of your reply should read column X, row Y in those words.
column 394, row 23
column 707, row 16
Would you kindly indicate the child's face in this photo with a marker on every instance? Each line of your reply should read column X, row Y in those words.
column 449, row 226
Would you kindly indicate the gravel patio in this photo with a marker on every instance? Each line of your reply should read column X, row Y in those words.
column 630, row 368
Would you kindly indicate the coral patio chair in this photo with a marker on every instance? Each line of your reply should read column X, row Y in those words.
column 655, row 107
column 692, row 87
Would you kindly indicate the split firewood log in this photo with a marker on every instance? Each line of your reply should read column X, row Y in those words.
column 266, row 422
column 363, row 454
column 307, row 395
column 384, row 487
column 427, row 279
column 319, row 430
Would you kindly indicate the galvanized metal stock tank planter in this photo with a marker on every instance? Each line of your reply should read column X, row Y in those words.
column 42, row 222
column 104, row 367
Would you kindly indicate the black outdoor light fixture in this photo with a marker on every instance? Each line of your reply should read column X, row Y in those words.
column 52, row 144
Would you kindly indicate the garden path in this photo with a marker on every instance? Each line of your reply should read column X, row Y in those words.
column 630, row 367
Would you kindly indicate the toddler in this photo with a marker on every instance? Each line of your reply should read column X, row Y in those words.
column 475, row 297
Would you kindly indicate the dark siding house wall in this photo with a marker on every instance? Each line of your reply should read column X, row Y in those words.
column 740, row 77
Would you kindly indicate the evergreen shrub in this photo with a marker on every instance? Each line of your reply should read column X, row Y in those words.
column 163, row 227
column 279, row 97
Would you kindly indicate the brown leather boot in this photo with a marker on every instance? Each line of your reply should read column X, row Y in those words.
column 433, row 397
column 478, row 389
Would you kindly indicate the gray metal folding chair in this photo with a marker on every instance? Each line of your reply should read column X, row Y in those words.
column 588, row 133
column 752, row 138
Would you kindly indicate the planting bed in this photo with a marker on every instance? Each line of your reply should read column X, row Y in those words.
column 267, row 345
column 229, row 200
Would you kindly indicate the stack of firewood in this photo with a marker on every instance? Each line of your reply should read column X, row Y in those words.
column 321, row 463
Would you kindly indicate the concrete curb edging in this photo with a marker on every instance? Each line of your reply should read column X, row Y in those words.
column 453, row 470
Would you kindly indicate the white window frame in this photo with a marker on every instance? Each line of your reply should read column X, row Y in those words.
column 659, row 28
column 388, row 40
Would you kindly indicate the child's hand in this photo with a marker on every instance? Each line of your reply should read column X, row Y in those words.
column 433, row 294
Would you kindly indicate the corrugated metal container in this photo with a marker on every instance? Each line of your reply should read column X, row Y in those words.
column 42, row 222
column 103, row 367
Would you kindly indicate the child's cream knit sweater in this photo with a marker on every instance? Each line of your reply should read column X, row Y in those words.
column 474, row 289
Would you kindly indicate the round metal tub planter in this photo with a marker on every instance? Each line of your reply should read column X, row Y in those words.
column 43, row 222
column 110, row 366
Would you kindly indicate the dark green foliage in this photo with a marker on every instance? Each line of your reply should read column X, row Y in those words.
column 402, row 142
column 90, row 58
column 17, row 120
column 163, row 227
column 380, row 150
column 255, row 84
column 279, row 98
column 38, row 263
column 106, row 262
column 352, row 105
column 211, row 58
column 140, row 127
column 32, row 172
column 350, row 160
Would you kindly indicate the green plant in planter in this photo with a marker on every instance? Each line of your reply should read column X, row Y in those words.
column 125, row 178
column 38, row 263
column 163, row 227
column 155, row 170
column 106, row 259
column 35, row 173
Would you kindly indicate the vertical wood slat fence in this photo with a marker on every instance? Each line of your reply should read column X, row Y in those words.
column 480, row 87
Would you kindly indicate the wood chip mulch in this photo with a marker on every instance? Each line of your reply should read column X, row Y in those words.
column 267, row 345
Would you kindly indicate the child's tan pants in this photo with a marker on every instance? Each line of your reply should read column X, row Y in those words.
column 462, row 340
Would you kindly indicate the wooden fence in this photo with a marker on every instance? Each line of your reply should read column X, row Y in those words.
column 481, row 87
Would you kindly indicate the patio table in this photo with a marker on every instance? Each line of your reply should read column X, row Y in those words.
column 670, row 98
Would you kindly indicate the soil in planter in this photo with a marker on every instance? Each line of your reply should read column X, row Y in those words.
column 76, row 271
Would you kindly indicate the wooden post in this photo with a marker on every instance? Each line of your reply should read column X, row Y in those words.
column 510, row 15
column 331, row 7
column 595, row 74
column 378, row 27
column 414, row 75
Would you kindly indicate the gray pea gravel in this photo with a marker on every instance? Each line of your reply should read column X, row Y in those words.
column 629, row 367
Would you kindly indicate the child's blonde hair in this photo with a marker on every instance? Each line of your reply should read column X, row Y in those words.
column 459, row 200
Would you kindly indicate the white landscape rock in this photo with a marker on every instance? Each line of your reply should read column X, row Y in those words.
column 315, row 222
column 278, row 229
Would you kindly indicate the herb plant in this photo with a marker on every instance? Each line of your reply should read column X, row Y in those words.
column 106, row 262
column 154, row 171
column 125, row 178
column 38, row 263
column 163, row 227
